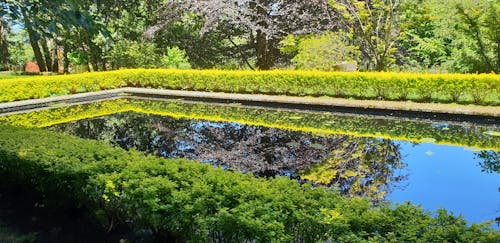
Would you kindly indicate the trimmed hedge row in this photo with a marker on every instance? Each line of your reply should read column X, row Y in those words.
column 198, row 203
column 480, row 137
column 445, row 88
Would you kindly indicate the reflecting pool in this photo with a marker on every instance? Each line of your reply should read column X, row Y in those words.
column 452, row 164
column 461, row 179
column 456, row 178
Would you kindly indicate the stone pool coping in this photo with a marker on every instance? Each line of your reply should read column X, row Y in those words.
column 304, row 102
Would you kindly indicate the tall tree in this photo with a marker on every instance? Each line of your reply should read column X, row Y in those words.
column 421, row 43
column 262, row 24
column 480, row 21
column 373, row 23
column 48, row 21
column 34, row 37
column 28, row 12
column 461, row 37
column 4, row 44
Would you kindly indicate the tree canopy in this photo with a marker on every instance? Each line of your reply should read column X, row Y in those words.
column 422, row 35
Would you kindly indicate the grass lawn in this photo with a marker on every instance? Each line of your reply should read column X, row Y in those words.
column 6, row 75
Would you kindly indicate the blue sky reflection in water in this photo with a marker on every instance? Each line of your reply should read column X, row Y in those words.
column 449, row 177
column 435, row 175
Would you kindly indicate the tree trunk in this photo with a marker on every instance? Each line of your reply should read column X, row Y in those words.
column 4, row 45
column 103, row 64
column 263, row 47
column 94, row 63
column 55, row 58
column 379, row 63
column 65, row 60
column 93, row 54
column 263, row 54
column 33, row 41
column 47, row 54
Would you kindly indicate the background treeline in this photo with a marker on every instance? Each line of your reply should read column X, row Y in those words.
column 397, row 35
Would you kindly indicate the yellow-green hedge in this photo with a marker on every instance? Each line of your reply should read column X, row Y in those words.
column 445, row 88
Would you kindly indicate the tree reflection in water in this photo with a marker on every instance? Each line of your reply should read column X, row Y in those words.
column 489, row 161
column 356, row 166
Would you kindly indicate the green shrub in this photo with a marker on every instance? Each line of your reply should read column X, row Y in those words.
column 323, row 52
column 78, row 57
column 475, row 89
column 132, row 54
column 8, row 234
column 175, row 58
column 198, row 203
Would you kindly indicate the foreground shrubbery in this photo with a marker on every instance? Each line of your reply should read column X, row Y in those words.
column 446, row 88
column 191, row 201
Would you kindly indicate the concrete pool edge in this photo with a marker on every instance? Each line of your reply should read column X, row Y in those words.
column 326, row 103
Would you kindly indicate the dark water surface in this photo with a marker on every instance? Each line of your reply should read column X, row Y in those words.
column 462, row 180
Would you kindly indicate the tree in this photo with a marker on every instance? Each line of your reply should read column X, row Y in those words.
column 4, row 44
column 221, row 48
column 373, row 23
column 56, row 26
column 109, row 22
column 463, row 37
column 132, row 54
column 422, row 42
column 262, row 24
column 479, row 21
column 43, row 20
column 27, row 14
column 20, row 50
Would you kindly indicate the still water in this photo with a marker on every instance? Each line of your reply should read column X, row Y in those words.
column 454, row 178
column 464, row 181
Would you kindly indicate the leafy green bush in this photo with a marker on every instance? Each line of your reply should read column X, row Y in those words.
column 132, row 54
column 78, row 57
column 320, row 52
column 444, row 88
column 198, row 203
column 175, row 58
